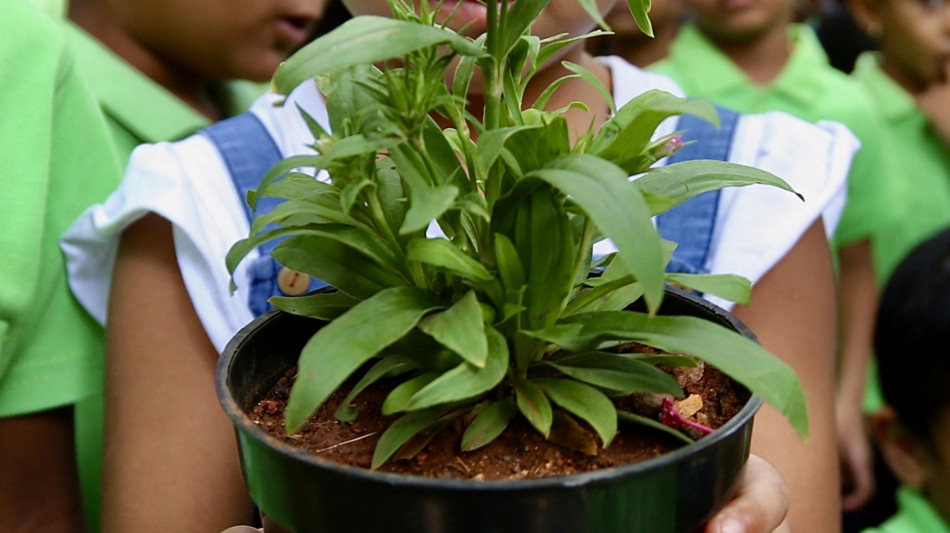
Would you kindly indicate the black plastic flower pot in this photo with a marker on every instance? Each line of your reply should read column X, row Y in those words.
column 675, row 492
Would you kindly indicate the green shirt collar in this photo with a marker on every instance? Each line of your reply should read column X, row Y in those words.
column 895, row 102
column 914, row 515
column 703, row 66
column 128, row 97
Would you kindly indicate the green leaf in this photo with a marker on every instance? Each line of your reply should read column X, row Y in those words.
column 626, row 416
column 428, row 203
column 617, row 372
column 534, row 405
column 623, row 138
column 619, row 211
column 443, row 254
column 398, row 399
column 489, row 148
column 292, row 213
column 337, row 264
column 729, row 286
column 404, row 428
column 509, row 266
column 586, row 402
column 590, row 78
column 364, row 40
column 540, row 230
column 639, row 10
column 593, row 11
column 321, row 305
column 466, row 380
column 741, row 358
column 297, row 185
column 602, row 294
column 461, row 328
column 279, row 170
column 520, row 17
column 387, row 367
column 342, row 346
column 351, row 193
column 488, row 424
column 679, row 182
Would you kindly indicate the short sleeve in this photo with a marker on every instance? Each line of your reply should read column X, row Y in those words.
column 58, row 159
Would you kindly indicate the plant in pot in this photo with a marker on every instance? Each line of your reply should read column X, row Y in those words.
column 470, row 300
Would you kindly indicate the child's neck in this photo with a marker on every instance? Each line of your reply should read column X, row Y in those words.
column 98, row 20
column 762, row 57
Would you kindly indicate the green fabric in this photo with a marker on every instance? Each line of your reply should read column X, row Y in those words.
column 808, row 87
column 57, row 160
column 924, row 168
column 138, row 110
column 914, row 515
column 922, row 201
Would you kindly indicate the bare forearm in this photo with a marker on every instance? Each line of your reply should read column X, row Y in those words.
column 39, row 490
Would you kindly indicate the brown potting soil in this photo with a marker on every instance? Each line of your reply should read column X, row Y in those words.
column 520, row 452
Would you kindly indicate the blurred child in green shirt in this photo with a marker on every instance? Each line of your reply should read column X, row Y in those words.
column 913, row 427
column 753, row 58
column 161, row 70
column 57, row 160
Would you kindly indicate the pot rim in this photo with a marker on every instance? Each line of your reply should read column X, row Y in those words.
column 243, row 423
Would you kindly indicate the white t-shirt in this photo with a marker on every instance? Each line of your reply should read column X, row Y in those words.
column 187, row 183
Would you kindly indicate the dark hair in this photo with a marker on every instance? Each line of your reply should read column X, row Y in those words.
column 912, row 336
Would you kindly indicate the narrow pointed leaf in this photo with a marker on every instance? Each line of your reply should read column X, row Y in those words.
column 398, row 399
column 626, row 416
column 342, row 346
column 488, row 425
column 387, row 367
column 534, row 405
column 336, row 264
column 679, row 182
column 321, row 305
column 428, row 203
column 461, row 328
column 639, row 10
column 584, row 401
column 741, row 358
column 403, row 429
column 617, row 372
column 619, row 211
column 466, row 381
column 729, row 286
column 590, row 78
column 364, row 40
column 443, row 254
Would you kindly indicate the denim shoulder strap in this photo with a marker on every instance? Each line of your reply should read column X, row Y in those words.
column 691, row 223
column 249, row 152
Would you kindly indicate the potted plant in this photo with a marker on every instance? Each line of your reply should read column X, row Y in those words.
column 466, row 282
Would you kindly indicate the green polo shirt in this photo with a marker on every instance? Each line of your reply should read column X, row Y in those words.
column 138, row 111
column 924, row 163
column 57, row 160
column 922, row 202
column 914, row 515
column 808, row 87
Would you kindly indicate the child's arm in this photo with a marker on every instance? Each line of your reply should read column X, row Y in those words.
column 857, row 304
column 792, row 311
column 40, row 490
column 171, row 460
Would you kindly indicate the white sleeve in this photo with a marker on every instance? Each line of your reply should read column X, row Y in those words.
column 758, row 225
column 185, row 183
column 188, row 184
